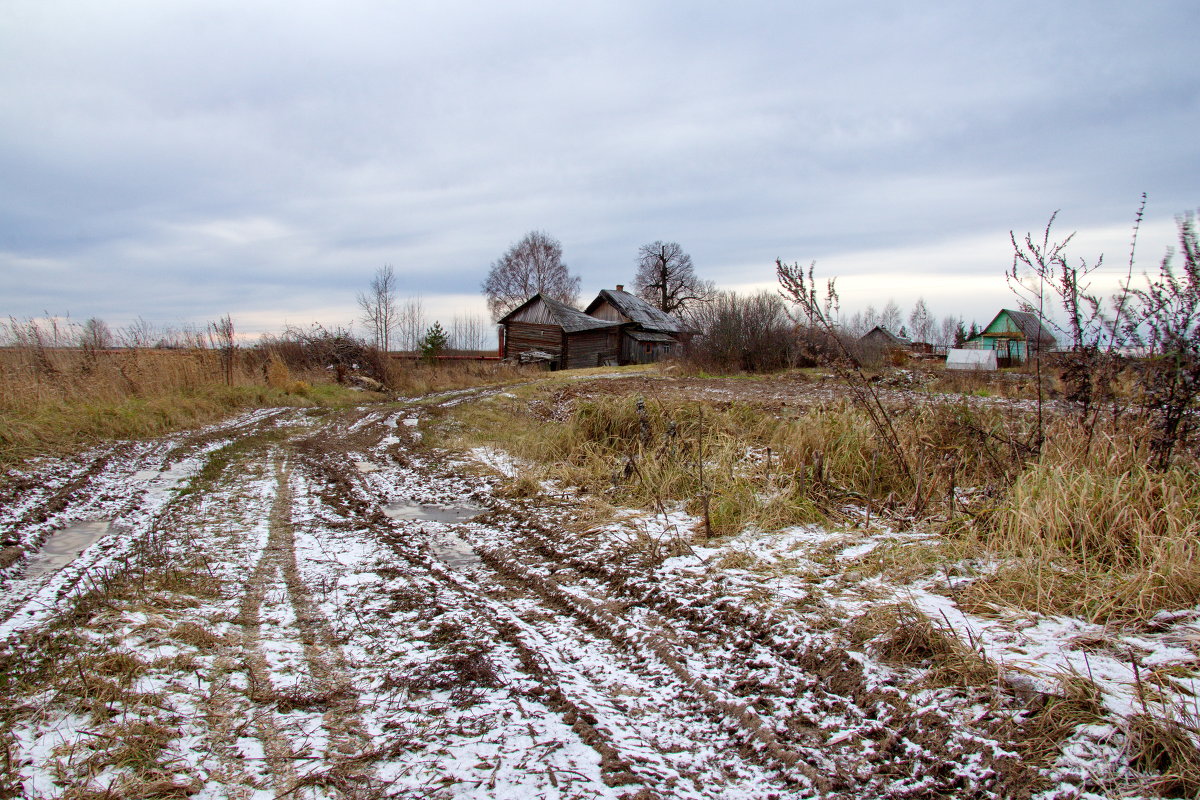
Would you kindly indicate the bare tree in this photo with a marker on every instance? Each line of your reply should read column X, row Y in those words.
column 138, row 333
column 532, row 265
column 889, row 318
column 410, row 323
column 949, row 333
column 95, row 335
column 863, row 321
column 469, row 333
column 666, row 278
column 920, row 322
column 378, row 305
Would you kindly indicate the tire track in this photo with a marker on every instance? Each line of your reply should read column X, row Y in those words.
column 554, row 632
column 324, row 685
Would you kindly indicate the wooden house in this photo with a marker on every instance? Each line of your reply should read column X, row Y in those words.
column 647, row 334
column 1015, row 336
column 568, row 336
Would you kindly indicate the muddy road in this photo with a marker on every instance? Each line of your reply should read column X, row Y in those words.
column 312, row 603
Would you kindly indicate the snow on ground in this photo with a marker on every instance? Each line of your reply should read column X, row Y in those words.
column 336, row 610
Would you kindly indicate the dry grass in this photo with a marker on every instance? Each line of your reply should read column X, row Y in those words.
column 902, row 635
column 1053, row 717
column 57, row 400
column 1165, row 748
column 1085, row 528
column 754, row 466
column 416, row 379
column 1095, row 534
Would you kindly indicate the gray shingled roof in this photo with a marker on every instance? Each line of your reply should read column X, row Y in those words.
column 571, row 320
column 651, row 336
column 893, row 339
column 1030, row 326
column 639, row 311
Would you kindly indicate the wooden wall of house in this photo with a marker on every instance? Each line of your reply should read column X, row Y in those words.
column 590, row 348
column 521, row 337
column 635, row 352
column 607, row 311
column 536, row 313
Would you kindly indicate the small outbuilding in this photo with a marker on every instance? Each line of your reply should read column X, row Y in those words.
column 1015, row 337
column 568, row 336
column 881, row 338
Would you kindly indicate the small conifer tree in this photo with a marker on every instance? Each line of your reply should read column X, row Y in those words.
column 433, row 343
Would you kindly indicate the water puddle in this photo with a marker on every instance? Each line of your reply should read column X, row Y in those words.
column 432, row 513
column 161, row 481
column 63, row 545
column 451, row 548
column 454, row 551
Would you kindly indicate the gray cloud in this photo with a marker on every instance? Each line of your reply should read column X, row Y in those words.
column 176, row 161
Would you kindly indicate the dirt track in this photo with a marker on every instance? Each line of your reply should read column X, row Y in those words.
column 277, row 611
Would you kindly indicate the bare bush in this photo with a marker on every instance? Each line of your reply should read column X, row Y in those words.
column 1169, row 313
column 744, row 332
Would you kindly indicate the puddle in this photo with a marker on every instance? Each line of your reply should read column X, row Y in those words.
column 454, row 551
column 451, row 548
column 161, row 481
column 432, row 513
column 63, row 545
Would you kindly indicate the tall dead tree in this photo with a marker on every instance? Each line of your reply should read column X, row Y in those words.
column 666, row 278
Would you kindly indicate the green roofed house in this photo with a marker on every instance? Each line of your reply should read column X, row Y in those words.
column 1015, row 336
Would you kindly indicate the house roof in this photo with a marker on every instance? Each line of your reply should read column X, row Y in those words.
column 1028, row 324
column 889, row 337
column 639, row 311
column 571, row 320
column 651, row 336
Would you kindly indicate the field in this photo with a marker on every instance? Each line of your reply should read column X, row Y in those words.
column 622, row 583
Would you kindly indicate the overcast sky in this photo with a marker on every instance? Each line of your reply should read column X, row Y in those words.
column 181, row 160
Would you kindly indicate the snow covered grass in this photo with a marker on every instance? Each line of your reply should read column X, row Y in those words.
column 1085, row 528
column 1074, row 575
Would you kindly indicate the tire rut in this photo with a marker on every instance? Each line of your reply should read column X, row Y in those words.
column 531, row 632
column 324, row 686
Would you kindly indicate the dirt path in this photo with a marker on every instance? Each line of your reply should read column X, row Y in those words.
column 311, row 605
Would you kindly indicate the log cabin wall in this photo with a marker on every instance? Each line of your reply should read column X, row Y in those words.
column 591, row 348
column 521, row 337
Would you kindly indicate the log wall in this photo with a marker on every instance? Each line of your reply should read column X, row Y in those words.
column 521, row 337
column 591, row 348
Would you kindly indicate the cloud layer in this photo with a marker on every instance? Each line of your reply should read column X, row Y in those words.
column 180, row 161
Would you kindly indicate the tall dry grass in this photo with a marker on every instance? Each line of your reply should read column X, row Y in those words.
column 750, row 465
column 59, row 398
column 1090, row 529
column 1085, row 527
column 413, row 379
